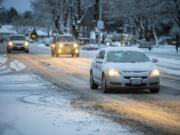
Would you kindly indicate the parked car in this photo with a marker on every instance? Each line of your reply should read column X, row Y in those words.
column 108, row 41
column 124, row 68
column 17, row 43
column 65, row 44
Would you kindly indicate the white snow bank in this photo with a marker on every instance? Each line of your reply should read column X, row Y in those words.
column 7, row 29
column 90, row 47
column 17, row 66
column 88, row 54
column 163, row 49
column 170, row 71
column 3, row 59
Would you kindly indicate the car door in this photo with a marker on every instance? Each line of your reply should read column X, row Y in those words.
column 95, row 67
column 99, row 65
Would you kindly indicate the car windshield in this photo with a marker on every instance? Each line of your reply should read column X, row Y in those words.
column 66, row 39
column 126, row 57
column 17, row 38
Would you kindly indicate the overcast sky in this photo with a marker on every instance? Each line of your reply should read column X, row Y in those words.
column 20, row 5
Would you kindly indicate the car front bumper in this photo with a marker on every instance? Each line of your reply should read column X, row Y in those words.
column 17, row 48
column 126, row 83
column 67, row 50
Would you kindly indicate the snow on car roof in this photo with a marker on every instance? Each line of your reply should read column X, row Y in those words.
column 109, row 49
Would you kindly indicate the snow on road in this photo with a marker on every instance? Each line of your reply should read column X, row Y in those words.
column 43, row 109
column 17, row 66
column 9, row 66
column 3, row 67
column 3, row 59
column 168, row 65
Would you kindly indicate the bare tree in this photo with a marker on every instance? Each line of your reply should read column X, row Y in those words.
column 173, row 7
column 1, row 1
column 64, row 14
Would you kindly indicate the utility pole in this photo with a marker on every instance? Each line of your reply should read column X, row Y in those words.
column 100, row 10
column 100, row 23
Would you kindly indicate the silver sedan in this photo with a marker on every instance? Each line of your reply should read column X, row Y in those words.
column 124, row 68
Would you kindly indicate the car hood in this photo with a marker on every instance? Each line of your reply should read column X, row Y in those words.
column 131, row 67
column 18, row 41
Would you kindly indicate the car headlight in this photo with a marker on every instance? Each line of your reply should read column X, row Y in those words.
column 26, row 44
column 113, row 72
column 75, row 45
column 77, row 51
column 155, row 73
column 123, row 44
column 107, row 43
column 61, row 45
column 10, row 43
column 52, row 45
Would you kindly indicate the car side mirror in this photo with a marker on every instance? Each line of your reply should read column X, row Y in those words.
column 154, row 60
column 99, row 61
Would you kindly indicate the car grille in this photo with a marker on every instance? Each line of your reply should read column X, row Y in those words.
column 18, row 44
column 129, row 77
column 128, row 84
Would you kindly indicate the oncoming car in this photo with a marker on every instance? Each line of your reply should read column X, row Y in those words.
column 17, row 43
column 64, row 44
column 124, row 68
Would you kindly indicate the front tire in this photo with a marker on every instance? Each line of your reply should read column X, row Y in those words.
column 77, row 55
column 104, row 85
column 26, row 51
column 8, row 51
column 155, row 90
column 52, row 53
column 92, row 83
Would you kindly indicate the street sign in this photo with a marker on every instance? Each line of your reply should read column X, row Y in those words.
column 100, row 25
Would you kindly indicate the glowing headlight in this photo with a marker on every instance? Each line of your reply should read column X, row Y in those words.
column 107, row 43
column 155, row 73
column 123, row 44
column 113, row 72
column 61, row 45
column 26, row 44
column 75, row 45
column 10, row 43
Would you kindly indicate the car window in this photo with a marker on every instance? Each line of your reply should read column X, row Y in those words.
column 17, row 38
column 102, row 54
column 126, row 57
column 66, row 39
